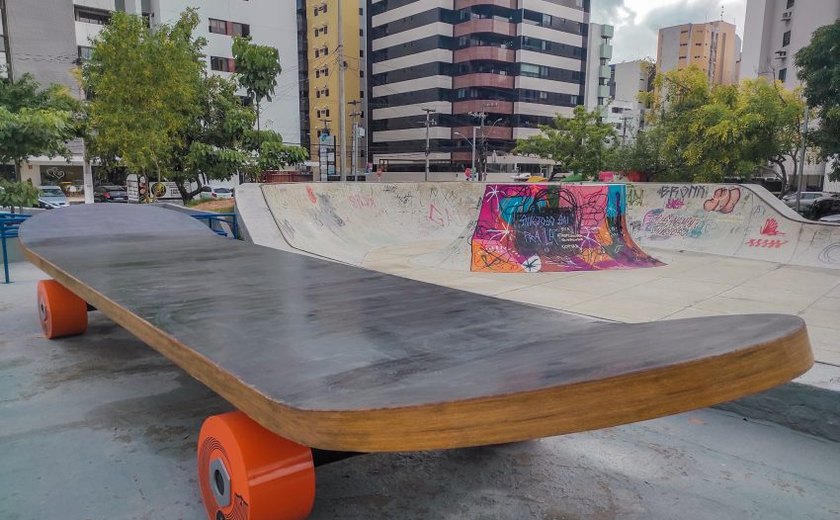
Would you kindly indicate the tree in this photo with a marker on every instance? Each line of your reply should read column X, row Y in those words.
column 145, row 90
column 819, row 69
column 711, row 133
column 34, row 121
column 257, row 68
column 577, row 144
column 17, row 194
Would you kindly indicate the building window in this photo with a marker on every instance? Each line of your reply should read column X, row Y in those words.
column 222, row 64
column 790, row 3
column 361, row 32
column 94, row 16
column 321, row 8
column 218, row 26
column 786, row 39
column 782, row 75
column 321, row 30
column 323, row 71
column 84, row 53
column 240, row 29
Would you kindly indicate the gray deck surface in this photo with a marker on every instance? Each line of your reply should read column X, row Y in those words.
column 288, row 324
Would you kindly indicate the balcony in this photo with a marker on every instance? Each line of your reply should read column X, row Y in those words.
column 484, row 53
column 482, row 105
column 487, row 25
column 461, row 4
column 604, row 72
column 496, row 132
column 603, row 91
column 605, row 51
column 484, row 79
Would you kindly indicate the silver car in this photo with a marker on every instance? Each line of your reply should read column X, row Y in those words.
column 51, row 197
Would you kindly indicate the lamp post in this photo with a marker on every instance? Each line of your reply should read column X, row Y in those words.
column 472, row 142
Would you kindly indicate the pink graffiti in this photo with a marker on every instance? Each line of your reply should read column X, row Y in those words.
column 674, row 204
column 441, row 218
column 723, row 200
column 311, row 194
column 361, row 201
column 771, row 228
column 766, row 243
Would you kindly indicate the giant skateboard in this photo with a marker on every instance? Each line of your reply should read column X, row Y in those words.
column 320, row 355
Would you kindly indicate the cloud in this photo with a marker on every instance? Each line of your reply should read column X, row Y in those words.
column 637, row 25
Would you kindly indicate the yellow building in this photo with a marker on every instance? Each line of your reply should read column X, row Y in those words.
column 325, row 69
column 713, row 47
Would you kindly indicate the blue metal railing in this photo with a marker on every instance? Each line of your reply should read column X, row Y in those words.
column 218, row 218
column 9, row 225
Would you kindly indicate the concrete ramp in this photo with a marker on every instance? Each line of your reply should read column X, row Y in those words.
column 346, row 221
column 742, row 221
column 553, row 227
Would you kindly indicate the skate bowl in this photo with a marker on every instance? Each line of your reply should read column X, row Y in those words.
column 435, row 223
column 741, row 221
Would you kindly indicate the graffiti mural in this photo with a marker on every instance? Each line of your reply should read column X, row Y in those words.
column 534, row 227
column 723, row 200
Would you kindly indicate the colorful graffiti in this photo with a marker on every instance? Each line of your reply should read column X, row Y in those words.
column 661, row 225
column 770, row 228
column 534, row 227
column 723, row 200
column 765, row 243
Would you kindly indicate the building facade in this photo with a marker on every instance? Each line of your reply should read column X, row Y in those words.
column 627, row 80
column 325, row 73
column 713, row 47
column 774, row 31
column 486, row 72
column 50, row 38
column 598, row 56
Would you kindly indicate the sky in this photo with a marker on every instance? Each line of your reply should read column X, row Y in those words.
column 637, row 22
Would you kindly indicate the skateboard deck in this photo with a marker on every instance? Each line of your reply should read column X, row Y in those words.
column 343, row 358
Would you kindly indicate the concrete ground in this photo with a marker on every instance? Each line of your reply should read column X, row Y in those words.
column 690, row 285
column 101, row 427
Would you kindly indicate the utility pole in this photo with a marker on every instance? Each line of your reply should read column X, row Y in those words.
column 324, row 153
column 354, row 159
column 481, row 150
column 342, row 103
column 429, row 112
column 801, row 162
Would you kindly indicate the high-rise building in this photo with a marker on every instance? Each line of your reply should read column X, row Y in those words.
column 774, row 31
column 713, row 47
column 325, row 73
column 490, row 70
column 49, row 38
column 627, row 80
column 598, row 56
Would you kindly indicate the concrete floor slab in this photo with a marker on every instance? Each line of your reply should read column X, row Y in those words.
column 101, row 426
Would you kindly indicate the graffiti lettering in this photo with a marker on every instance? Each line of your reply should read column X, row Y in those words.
column 766, row 243
column 662, row 225
column 361, row 201
column 634, row 195
column 770, row 228
column 441, row 218
column 688, row 191
column 311, row 194
column 723, row 200
column 674, row 204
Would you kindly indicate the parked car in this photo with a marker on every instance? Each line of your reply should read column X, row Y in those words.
column 51, row 197
column 806, row 199
column 823, row 207
column 110, row 194
column 833, row 219
column 216, row 192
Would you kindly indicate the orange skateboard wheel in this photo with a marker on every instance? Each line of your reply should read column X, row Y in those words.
column 249, row 473
column 61, row 312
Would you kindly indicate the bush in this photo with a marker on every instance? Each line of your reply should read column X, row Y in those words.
column 17, row 194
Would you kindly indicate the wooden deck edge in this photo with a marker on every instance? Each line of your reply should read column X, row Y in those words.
column 481, row 421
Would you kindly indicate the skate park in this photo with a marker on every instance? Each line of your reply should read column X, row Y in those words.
column 771, row 458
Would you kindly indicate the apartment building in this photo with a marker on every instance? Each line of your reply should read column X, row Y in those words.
column 49, row 38
column 487, row 71
column 598, row 73
column 328, row 123
column 774, row 31
column 628, row 79
column 713, row 47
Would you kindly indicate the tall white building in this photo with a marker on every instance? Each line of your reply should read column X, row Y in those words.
column 774, row 31
column 628, row 80
column 599, row 54
column 48, row 38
